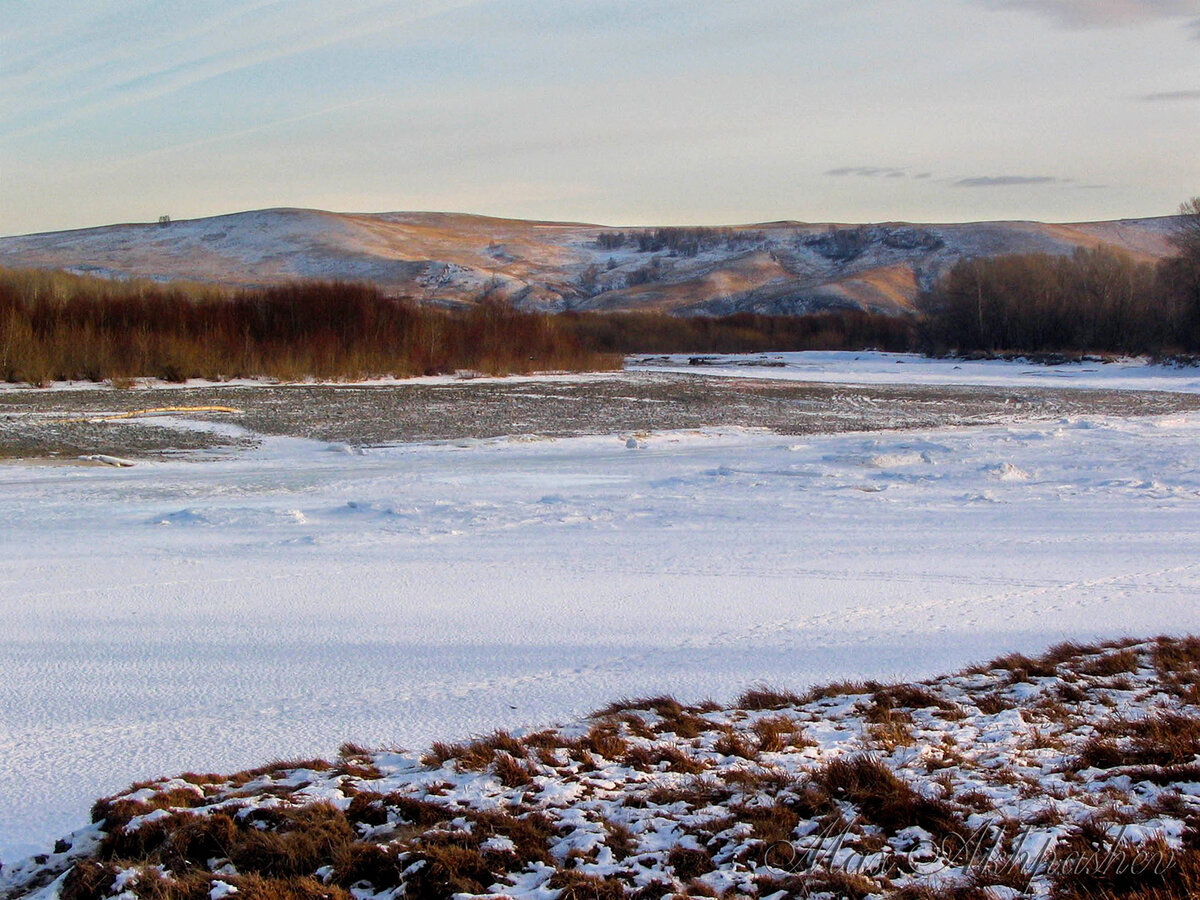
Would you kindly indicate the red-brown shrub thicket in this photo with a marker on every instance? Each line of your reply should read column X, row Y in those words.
column 55, row 326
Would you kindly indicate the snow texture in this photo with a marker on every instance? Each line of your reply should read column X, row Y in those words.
column 1017, row 776
column 848, row 367
column 209, row 616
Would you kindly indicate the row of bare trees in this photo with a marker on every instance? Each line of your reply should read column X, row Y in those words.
column 55, row 326
column 1094, row 300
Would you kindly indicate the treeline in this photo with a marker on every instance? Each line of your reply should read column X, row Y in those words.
column 653, row 332
column 55, row 326
column 1091, row 301
column 1094, row 300
column 680, row 241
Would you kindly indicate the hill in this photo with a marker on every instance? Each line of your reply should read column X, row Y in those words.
column 454, row 259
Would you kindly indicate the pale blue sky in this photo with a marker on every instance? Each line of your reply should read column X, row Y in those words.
column 599, row 110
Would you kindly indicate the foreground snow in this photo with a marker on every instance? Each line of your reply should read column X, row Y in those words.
column 176, row 616
column 1057, row 776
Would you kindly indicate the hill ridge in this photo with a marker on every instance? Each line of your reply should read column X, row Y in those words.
column 458, row 258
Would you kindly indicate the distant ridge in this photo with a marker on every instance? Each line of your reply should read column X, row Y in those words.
column 456, row 258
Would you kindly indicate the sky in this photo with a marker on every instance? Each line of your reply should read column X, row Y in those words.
column 610, row 111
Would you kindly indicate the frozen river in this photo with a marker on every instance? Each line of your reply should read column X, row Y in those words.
column 183, row 615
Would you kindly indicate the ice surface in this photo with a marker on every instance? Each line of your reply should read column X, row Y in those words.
column 849, row 367
column 181, row 615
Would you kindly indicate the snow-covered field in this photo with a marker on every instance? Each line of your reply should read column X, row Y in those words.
column 848, row 367
column 181, row 615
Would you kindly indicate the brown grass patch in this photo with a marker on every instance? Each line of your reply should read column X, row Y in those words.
column 476, row 755
column 580, row 886
column 764, row 697
column 883, row 799
column 1163, row 739
column 778, row 733
column 1118, row 663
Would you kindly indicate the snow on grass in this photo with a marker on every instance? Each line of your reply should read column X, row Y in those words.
column 850, row 367
column 1052, row 776
column 178, row 615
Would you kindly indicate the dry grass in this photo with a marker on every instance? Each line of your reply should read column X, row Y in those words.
column 664, row 756
column 779, row 733
column 912, row 696
column 579, row 886
column 890, row 735
column 1119, row 663
column 1150, row 871
column 477, row 755
column 690, row 863
column 731, row 743
column 826, row 882
column 764, row 697
column 729, row 807
column 993, row 704
column 1162, row 739
column 883, row 799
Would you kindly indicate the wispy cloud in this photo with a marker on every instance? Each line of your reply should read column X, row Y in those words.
column 1090, row 13
column 976, row 181
column 986, row 181
column 868, row 172
column 1171, row 95
column 195, row 53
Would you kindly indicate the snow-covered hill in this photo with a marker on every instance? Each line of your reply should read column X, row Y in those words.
column 777, row 267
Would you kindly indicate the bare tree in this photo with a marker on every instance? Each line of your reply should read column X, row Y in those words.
column 1181, row 273
column 1186, row 237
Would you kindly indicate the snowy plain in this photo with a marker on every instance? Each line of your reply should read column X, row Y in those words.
column 214, row 615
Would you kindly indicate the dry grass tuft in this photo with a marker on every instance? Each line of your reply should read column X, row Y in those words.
column 731, row 743
column 1118, row 663
column 690, row 863
column 993, row 704
column 890, row 735
column 1149, row 871
column 645, row 758
column 779, row 733
column 883, row 799
column 764, row 697
column 580, row 886
column 1163, row 739
column 476, row 755
column 820, row 883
